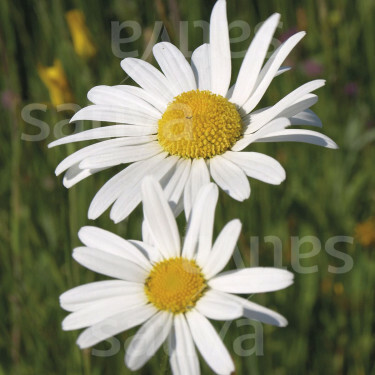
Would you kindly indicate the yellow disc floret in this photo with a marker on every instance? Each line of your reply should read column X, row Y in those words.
column 199, row 124
column 175, row 285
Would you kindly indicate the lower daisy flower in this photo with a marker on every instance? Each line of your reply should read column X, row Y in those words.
column 167, row 288
column 185, row 124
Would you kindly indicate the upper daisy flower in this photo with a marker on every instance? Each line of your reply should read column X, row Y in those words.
column 186, row 124
column 167, row 288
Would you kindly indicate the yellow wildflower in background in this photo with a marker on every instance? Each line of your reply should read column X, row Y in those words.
column 365, row 232
column 338, row 288
column 56, row 82
column 82, row 43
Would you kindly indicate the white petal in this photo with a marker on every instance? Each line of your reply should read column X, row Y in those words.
column 205, row 196
column 183, row 357
column 112, row 244
column 123, row 155
column 207, row 227
column 114, row 325
column 216, row 305
column 230, row 92
column 282, row 70
column 307, row 117
column 148, row 77
column 295, row 135
column 300, row 105
column 271, row 70
column 252, row 280
column 230, row 178
column 113, row 188
column 259, row 166
column 110, row 265
column 275, row 111
column 113, row 145
column 158, row 102
column 200, row 63
column 112, row 96
column 222, row 249
column 148, row 340
column 131, row 194
column 176, row 184
column 116, row 114
column 96, row 312
column 148, row 250
column 209, row 344
column 160, row 219
column 146, row 235
column 254, row 311
column 220, row 57
column 171, row 174
column 175, row 67
column 273, row 126
column 80, row 296
column 253, row 61
column 75, row 174
column 179, row 207
column 106, row 132
column 255, row 114
column 199, row 176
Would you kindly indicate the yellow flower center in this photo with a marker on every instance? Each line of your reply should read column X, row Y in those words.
column 199, row 124
column 175, row 285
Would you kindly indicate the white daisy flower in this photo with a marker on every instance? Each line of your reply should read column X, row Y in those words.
column 168, row 288
column 185, row 124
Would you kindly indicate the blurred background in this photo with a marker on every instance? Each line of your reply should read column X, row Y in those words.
column 53, row 52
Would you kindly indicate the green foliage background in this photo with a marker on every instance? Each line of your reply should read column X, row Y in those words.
column 326, row 193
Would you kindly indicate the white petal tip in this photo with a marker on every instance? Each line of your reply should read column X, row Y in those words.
column 240, row 199
column 92, row 216
column 129, row 363
column 84, row 230
column 237, row 222
column 67, row 184
column 66, row 326
column 55, row 143
column 74, row 118
column 116, row 221
column 299, row 35
column 124, row 63
column 75, row 251
column 283, row 323
column 281, row 179
column 333, row 145
column 82, row 345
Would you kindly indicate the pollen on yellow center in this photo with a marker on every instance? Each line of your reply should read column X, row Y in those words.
column 175, row 285
column 199, row 124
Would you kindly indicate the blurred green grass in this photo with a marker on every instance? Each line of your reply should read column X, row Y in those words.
column 326, row 193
